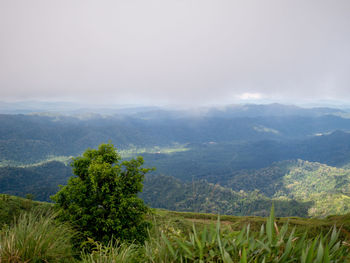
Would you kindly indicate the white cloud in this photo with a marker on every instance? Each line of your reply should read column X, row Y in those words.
column 250, row 96
column 174, row 52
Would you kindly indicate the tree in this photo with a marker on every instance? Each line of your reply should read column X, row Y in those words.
column 101, row 200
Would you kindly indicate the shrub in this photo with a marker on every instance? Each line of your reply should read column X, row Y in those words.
column 101, row 201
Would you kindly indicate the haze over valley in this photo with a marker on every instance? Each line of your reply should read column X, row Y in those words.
column 236, row 159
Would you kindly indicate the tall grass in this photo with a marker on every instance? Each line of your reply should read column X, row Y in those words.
column 114, row 252
column 36, row 237
column 271, row 244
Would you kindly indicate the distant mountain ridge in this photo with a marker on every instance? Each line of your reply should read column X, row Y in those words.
column 232, row 159
column 233, row 110
column 30, row 138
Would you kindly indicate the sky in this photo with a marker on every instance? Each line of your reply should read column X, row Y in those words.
column 175, row 52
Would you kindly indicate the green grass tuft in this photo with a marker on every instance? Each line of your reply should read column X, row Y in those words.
column 36, row 237
column 112, row 253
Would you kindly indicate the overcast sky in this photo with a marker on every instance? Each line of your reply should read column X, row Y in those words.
column 174, row 51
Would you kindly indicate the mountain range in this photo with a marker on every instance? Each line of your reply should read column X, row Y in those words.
column 236, row 159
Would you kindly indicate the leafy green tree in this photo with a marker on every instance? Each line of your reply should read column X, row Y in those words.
column 101, row 200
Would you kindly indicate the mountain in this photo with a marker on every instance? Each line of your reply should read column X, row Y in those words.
column 159, row 191
column 200, row 196
column 297, row 188
column 274, row 109
column 26, row 139
column 232, row 160
column 326, row 187
column 213, row 161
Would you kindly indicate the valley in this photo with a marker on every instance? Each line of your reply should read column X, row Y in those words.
column 233, row 160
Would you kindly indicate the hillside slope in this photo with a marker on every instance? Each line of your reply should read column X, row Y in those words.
column 298, row 188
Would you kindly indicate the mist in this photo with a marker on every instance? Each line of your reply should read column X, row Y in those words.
column 163, row 52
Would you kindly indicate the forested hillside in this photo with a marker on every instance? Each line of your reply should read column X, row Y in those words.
column 233, row 160
column 31, row 138
column 298, row 188
column 39, row 180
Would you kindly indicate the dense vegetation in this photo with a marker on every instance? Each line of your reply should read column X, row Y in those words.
column 207, row 160
column 11, row 207
column 101, row 200
column 201, row 196
column 36, row 236
column 41, row 181
column 298, row 188
column 30, row 138
column 234, row 160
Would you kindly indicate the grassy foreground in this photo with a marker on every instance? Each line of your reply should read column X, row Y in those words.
column 35, row 236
